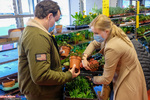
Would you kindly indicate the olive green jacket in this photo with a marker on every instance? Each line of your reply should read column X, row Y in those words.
column 40, row 77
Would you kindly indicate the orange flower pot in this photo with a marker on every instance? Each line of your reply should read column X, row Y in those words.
column 58, row 28
column 66, row 50
column 75, row 60
column 8, row 83
column 94, row 65
column 128, row 32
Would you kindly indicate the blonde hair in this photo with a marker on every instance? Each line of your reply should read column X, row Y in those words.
column 102, row 22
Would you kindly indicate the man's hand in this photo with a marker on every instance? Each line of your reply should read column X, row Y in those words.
column 74, row 74
column 60, row 51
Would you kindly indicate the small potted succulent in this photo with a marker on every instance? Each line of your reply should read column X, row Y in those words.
column 75, row 59
column 65, row 47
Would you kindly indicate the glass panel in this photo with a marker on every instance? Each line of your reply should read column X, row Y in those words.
column 6, row 7
column 25, row 6
column 126, row 3
column 25, row 20
column 64, row 6
column 147, row 3
column 6, row 24
column 35, row 3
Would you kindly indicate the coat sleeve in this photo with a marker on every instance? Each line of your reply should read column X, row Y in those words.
column 91, row 47
column 111, row 60
column 40, row 71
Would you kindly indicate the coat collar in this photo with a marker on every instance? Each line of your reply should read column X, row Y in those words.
column 34, row 23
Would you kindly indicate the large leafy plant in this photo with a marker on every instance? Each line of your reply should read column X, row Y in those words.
column 64, row 43
column 75, row 52
column 80, row 88
column 80, row 19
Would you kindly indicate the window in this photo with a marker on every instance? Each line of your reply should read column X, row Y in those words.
column 64, row 6
column 6, row 24
column 6, row 7
column 147, row 3
column 28, row 6
column 25, row 6
column 126, row 3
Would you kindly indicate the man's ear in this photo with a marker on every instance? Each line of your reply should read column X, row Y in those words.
column 49, row 16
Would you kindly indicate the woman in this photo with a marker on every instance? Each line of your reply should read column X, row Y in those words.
column 122, row 66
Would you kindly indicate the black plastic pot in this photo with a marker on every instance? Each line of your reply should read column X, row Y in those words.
column 73, row 27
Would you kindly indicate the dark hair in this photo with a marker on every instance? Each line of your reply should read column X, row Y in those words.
column 45, row 7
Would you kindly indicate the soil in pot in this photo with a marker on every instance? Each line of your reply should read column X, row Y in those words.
column 75, row 60
column 66, row 50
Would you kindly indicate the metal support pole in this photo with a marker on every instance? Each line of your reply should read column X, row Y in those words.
column 20, row 20
column 81, row 6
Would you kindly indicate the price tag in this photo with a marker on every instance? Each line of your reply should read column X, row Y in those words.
column 106, row 7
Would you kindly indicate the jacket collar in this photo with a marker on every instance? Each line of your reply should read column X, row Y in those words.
column 34, row 23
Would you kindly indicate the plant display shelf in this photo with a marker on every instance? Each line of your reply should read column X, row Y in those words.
column 65, row 31
column 147, row 34
column 122, row 17
column 8, row 61
column 127, row 24
column 144, row 24
column 8, row 42
column 146, row 13
column 82, row 42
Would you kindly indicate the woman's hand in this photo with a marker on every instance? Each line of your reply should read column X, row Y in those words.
column 74, row 74
column 86, row 64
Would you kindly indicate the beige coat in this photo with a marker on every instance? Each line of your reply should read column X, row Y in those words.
column 122, row 67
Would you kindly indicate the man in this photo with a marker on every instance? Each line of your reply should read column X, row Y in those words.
column 39, row 73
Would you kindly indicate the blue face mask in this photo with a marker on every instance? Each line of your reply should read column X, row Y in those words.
column 51, row 28
column 98, row 38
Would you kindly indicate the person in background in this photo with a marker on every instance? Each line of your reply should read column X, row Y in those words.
column 40, row 73
column 121, row 66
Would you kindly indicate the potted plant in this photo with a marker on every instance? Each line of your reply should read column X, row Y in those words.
column 141, row 19
column 65, row 47
column 80, row 88
column 58, row 27
column 75, row 59
column 148, row 41
column 129, row 29
column 124, row 29
column 81, row 21
column 94, row 64
column 139, row 33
